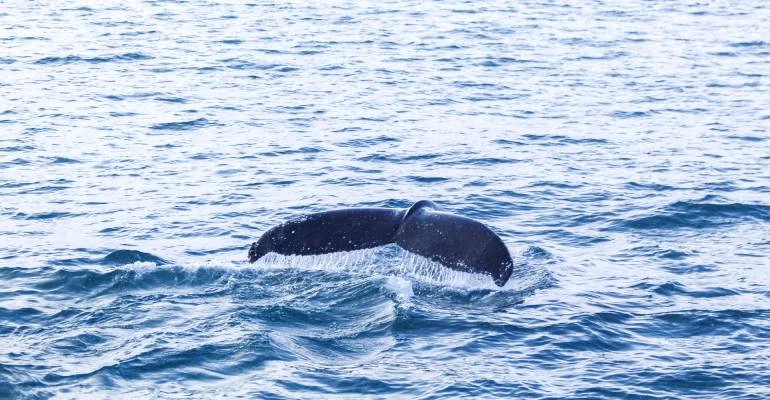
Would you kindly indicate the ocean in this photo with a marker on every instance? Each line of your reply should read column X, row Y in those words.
column 621, row 150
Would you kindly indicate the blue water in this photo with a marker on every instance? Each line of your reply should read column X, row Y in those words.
column 620, row 149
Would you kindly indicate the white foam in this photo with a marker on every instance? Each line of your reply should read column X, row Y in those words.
column 390, row 261
column 402, row 289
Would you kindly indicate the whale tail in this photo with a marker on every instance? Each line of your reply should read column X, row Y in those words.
column 456, row 242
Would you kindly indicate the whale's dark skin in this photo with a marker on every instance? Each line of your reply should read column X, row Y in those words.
column 456, row 242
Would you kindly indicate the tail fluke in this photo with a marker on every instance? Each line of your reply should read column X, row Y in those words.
column 329, row 232
column 456, row 242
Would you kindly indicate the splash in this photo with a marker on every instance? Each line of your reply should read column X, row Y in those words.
column 390, row 261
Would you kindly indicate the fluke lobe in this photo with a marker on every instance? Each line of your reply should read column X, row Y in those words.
column 456, row 242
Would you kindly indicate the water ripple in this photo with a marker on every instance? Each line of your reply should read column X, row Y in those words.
column 93, row 60
column 619, row 149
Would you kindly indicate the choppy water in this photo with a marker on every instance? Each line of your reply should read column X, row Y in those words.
column 620, row 149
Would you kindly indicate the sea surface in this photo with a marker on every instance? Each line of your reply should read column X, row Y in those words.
column 620, row 149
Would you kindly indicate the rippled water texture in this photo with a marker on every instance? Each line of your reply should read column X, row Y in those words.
column 620, row 149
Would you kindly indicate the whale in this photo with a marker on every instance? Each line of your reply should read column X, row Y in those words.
column 454, row 241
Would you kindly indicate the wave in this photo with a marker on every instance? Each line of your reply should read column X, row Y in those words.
column 131, row 278
column 705, row 213
column 690, row 323
column 397, row 272
column 678, row 289
column 94, row 60
column 183, row 125
column 122, row 257
column 366, row 142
